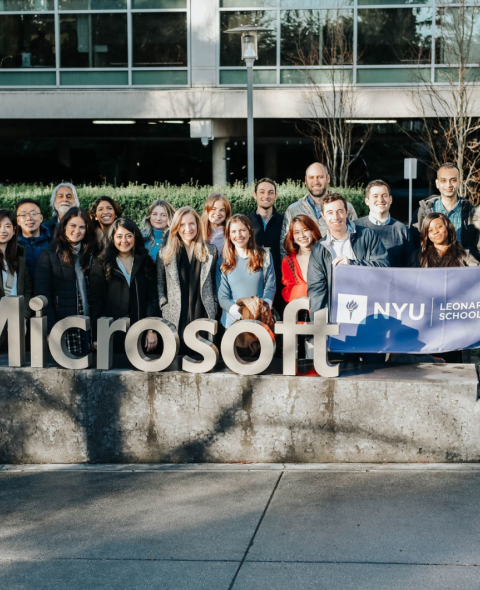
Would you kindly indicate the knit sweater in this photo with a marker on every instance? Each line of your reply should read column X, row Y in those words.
column 217, row 238
column 396, row 238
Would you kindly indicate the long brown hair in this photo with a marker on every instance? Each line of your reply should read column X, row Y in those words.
column 175, row 243
column 93, row 209
column 148, row 229
column 64, row 247
column 290, row 246
column 255, row 253
column 11, row 258
column 205, row 224
column 428, row 254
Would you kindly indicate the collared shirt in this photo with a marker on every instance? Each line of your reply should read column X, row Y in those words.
column 341, row 247
column 265, row 221
column 455, row 215
column 375, row 221
column 317, row 209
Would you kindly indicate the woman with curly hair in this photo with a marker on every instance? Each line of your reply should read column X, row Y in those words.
column 123, row 283
column 62, row 274
column 439, row 246
column 103, row 213
column 245, row 270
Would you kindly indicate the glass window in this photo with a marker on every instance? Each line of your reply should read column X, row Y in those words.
column 92, row 4
column 240, row 77
column 393, row 75
column 160, row 78
column 159, row 39
column 458, row 35
column 20, row 5
column 159, row 3
column 230, row 44
column 317, row 37
column 246, row 3
column 27, row 41
column 319, row 3
column 394, row 36
column 324, row 76
column 93, row 40
column 86, row 78
column 376, row 2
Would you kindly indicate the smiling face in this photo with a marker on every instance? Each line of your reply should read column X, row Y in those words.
column 437, row 233
column 75, row 230
column 317, row 180
column 335, row 217
column 265, row 195
column 448, row 182
column 188, row 228
column 7, row 231
column 124, row 240
column 64, row 200
column 105, row 214
column 302, row 236
column 379, row 201
column 159, row 217
column 29, row 219
column 218, row 214
column 239, row 234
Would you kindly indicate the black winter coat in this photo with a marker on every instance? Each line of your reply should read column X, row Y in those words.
column 58, row 283
column 116, row 299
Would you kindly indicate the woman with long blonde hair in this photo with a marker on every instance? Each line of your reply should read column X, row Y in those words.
column 156, row 222
column 246, row 269
column 186, row 273
column 216, row 212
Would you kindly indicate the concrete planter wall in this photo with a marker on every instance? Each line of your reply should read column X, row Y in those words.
column 420, row 413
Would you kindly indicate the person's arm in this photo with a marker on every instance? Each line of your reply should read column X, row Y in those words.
column 225, row 295
column 213, row 273
column 270, row 283
column 415, row 230
column 317, row 281
column 161, row 282
column 98, row 290
column 288, row 280
column 375, row 252
column 44, row 285
column 409, row 249
column 27, row 293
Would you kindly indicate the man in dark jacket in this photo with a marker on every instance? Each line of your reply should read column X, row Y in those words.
column 343, row 244
column 460, row 211
column 267, row 224
column 34, row 235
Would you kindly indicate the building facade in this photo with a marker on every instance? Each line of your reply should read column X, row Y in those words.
column 134, row 79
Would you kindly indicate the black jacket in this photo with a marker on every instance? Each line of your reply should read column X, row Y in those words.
column 51, row 226
column 58, row 283
column 24, row 285
column 269, row 237
column 470, row 233
column 116, row 299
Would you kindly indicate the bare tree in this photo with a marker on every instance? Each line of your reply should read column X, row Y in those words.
column 450, row 129
column 325, row 38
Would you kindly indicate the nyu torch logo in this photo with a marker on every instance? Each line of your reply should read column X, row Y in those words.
column 352, row 306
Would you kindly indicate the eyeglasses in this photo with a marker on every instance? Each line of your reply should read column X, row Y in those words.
column 32, row 214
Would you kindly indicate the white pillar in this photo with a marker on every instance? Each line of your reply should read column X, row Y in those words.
column 203, row 40
column 219, row 162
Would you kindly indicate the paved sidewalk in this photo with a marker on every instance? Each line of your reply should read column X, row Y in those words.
column 240, row 527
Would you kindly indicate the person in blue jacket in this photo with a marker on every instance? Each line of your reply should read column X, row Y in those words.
column 345, row 243
column 34, row 236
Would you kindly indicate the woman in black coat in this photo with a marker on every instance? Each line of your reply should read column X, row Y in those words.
column 62, row 273
column 14, row 278
column 123, row 282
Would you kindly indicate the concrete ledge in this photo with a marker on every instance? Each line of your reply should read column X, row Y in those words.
column 416, row 413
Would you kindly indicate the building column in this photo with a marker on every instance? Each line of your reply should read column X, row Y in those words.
column 270, row 161
column 219, row 161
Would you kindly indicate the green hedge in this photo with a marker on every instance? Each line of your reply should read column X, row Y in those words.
column 134, row 199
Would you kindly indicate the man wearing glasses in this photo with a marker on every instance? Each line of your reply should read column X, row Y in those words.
column 33, row 235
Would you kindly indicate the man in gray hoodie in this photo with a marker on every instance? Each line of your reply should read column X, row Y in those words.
column 317, row 180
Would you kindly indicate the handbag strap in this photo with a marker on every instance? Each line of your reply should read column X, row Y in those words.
column 292, row 268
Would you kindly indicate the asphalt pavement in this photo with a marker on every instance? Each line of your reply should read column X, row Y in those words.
column 240, row 527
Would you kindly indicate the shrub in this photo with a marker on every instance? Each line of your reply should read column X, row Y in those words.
column 135, row 198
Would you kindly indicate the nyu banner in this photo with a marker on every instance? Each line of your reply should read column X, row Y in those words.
column 405, row 310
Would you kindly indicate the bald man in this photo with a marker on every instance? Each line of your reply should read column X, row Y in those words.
column 317, row 180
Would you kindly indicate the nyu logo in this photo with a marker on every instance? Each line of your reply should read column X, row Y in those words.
column 352, row 309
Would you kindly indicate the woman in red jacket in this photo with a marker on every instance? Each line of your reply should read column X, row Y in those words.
column 302, row 234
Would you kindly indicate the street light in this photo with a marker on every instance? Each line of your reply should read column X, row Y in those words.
column 249, row 54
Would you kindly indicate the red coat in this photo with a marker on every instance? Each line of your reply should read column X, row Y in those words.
column 295, row 285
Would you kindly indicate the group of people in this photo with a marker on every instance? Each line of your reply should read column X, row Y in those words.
column 183, row 266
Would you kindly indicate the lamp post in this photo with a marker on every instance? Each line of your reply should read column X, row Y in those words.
column 249, row 35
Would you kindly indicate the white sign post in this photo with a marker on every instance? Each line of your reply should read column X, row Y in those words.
column 410, row 173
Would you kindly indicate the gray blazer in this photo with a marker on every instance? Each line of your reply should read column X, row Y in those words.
column 168, row 282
